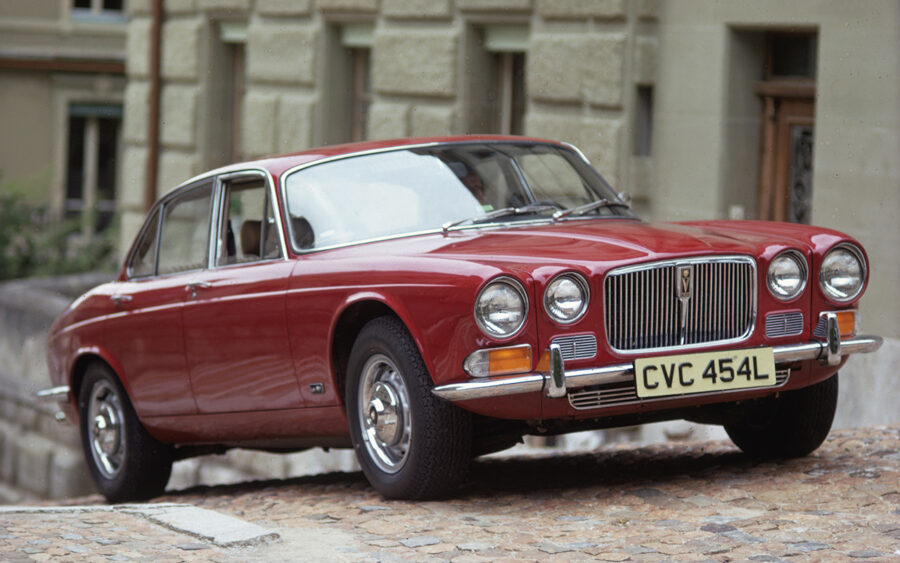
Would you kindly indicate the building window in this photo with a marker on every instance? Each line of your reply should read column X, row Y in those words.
column 791, row 56
column 349, row 55
column 360, row 91
column 497, row 90
column 91, row 165
column 113, row 10
column 643, row 121
column 228, row 68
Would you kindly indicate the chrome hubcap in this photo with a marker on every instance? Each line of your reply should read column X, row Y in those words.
column 384, row 413
column 106, row 430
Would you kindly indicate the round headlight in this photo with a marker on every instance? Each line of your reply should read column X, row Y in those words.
column 843, row 273
column 566, row 298
column 501, row 308
column 787, row 275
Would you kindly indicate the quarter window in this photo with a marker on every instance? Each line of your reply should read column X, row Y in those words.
column 184, row 242
column 143, row 262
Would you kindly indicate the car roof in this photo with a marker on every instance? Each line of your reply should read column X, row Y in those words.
column 277, row 165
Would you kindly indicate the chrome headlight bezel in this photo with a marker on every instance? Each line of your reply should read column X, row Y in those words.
column 779, row 291
column 491, row 328
column 826, row 285
column 554, row 311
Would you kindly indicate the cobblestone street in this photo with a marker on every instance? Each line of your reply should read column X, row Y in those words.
column 697, row 501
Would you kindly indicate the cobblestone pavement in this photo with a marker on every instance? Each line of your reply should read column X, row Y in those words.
column 697, row 501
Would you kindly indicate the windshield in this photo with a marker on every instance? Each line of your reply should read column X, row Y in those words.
column 423, row 189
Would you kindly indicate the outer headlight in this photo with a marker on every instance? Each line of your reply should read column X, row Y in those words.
column 501, row 308
column 566, row 298
column 787, row 275
column 843, row 273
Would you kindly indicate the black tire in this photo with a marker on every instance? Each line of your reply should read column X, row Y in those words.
column 126, row 463
column 792, row 425
column 409, row 443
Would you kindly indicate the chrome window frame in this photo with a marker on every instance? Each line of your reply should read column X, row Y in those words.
column 222, row 182
column 218, row 178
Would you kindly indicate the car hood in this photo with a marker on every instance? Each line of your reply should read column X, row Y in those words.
column 616, row 242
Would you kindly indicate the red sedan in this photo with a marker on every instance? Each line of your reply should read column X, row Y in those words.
column 425, row 301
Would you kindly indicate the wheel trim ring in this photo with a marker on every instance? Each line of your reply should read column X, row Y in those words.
column 106, row 430
column 380, row 372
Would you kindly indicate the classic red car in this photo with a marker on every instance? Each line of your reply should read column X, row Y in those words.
column 425, row 301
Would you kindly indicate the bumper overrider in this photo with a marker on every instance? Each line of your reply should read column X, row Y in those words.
column 557, row 381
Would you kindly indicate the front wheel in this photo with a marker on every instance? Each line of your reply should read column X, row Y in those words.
column 125, row 462
column 409, row 443
column 792, row 425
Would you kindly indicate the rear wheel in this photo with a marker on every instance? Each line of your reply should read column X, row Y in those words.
column 125, row 462
column 792, row 425
column 409, row 443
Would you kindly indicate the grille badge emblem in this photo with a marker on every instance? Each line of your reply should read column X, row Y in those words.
column 685, row 282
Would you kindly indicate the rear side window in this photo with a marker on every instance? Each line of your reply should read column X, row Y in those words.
column 184, row 241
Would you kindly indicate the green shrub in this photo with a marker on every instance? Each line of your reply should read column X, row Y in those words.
column 33, row 244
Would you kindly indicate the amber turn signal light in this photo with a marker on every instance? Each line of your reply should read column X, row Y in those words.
column 499, row 361
column 846, row 322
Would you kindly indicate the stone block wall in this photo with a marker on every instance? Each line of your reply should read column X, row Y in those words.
column 584, row 60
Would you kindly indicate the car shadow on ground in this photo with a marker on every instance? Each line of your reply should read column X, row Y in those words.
column 614, row 466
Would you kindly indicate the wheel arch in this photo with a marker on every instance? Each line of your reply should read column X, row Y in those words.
column 347, row 328
column 83, row 360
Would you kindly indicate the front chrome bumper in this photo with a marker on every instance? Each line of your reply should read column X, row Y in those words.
column 557, row 382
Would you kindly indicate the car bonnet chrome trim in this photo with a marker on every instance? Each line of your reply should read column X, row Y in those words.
column 559, row 383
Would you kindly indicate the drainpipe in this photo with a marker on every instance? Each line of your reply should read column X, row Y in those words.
column 153, row 126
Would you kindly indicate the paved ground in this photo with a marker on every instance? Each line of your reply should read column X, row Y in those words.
column 699, row 501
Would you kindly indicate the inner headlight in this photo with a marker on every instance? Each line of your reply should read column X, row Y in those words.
column 787, row 275
column 843, row 273
column 501, row 308
column 566, row 298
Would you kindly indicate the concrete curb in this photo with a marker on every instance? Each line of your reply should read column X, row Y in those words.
column 207, row 525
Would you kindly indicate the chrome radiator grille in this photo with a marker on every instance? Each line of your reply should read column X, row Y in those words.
column 680, row 303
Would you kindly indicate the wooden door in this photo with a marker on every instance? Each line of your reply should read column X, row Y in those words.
column 788, row 127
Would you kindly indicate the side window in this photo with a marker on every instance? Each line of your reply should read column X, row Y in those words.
column 249, row 233
column 143, row 262
column 184, row 243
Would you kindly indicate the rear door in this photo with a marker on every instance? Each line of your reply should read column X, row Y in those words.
column 145, row 334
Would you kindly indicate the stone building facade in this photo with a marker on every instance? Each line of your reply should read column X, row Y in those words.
column 62, row 83
column 567, row 68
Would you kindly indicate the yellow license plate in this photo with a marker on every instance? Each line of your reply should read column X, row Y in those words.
column 704, row 372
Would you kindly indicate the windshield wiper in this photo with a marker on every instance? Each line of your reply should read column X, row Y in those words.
column 588, row 207
column 503, row 212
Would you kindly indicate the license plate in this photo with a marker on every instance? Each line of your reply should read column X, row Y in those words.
column 705, row 372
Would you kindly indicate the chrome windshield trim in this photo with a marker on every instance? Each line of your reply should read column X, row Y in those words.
column 487, row 387
column 284, row 176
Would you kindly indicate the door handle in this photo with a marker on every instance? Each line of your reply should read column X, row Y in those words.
column 193, row 286
column 119, row 298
